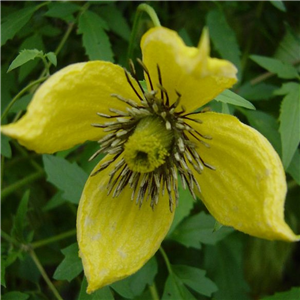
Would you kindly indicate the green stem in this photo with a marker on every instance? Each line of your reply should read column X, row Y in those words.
column 23, row 91
column 53, row 239
column 9, row 239
column 153, row 291
column 140, row 9
column 23, row 182
column 166, row 259
column 44, row 274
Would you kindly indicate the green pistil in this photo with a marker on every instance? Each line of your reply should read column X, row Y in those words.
column 149, row 145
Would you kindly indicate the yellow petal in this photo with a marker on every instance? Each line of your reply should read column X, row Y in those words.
column 64, row 107
column 116, row 237
column 247, row 190
column 188, row 70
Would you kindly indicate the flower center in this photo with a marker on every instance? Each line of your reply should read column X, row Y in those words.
column 149, row 145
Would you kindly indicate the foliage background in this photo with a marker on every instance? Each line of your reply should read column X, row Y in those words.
column 40, row 193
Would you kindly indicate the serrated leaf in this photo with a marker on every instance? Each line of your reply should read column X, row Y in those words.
column 273, row 65
column 267, row 125
column 66, row 176
column 135, row 284
column 15, row 22
column 223, row 37
column 294, row 167
column 289, row 121
column 20, row 221
column 52, row 58
column 95, row 39
column 195, row 279
column 230, row 97
column 23, row 57
column 3, row 268
column 71, row 265
column 62, row 10
column 104, row 293
column 293, row 294
column 279, row 5
column 199, row 229
column 258, row 92
column 14, row 296
column 5, row 146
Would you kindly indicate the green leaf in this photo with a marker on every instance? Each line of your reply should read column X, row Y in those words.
column 20, row 221
column 3, row 268
column 71, row 266
column 289, row 120
column 95, row 40
column 175, row 289
column 52, row 58
column 14, row 296
column 66, row 176
column 104, row 293
column 15, row 21
column 258, row 92
column 225, row 266
column 5, row 146
column 21, row 104
column 273, row 65
column 186, row 203
column 294, row 167
column 62, row 10
column 267, row 125
column 199, row 229
column 195, row 279
column 115, row 20
column 23, row 57
column 54, row 202
column 279, row 5
column 230, row 97
column 223, row 37
column 135, row 284
column 292, row 294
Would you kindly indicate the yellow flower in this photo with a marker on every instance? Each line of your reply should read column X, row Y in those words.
column 150, row 138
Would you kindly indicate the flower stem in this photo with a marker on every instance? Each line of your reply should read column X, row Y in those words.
column 23, row 182
column 153, row 291
column 23, row 91
column 53, row 239
column 166, row 259
column 44, row 274
column 140, row 9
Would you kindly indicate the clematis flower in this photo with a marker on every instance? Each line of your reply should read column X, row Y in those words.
column 154, row 137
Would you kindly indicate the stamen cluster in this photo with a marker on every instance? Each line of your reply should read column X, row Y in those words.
column 183, row 158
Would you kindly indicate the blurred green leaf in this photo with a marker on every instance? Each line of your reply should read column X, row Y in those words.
column 55, row 201
column 294, row 167
column 66, row 176
column 23, row 57
column 230, row 97
column 135, row 284
column 94, row 38
column 195, row 279
column 52, row 58
column 104, row 293
column 273, row 65
column 20, row 221
column 3, row 267
column 223, row 37
column 5, row 146
column 289, row 120
column 199, row 229
column 258, row 92
column 175, row 289
column 293, row 294
column 14, row 296
column 15, row 21
column 62, row 10
column 71, row 265
column 279, row 5
column 21, row 104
